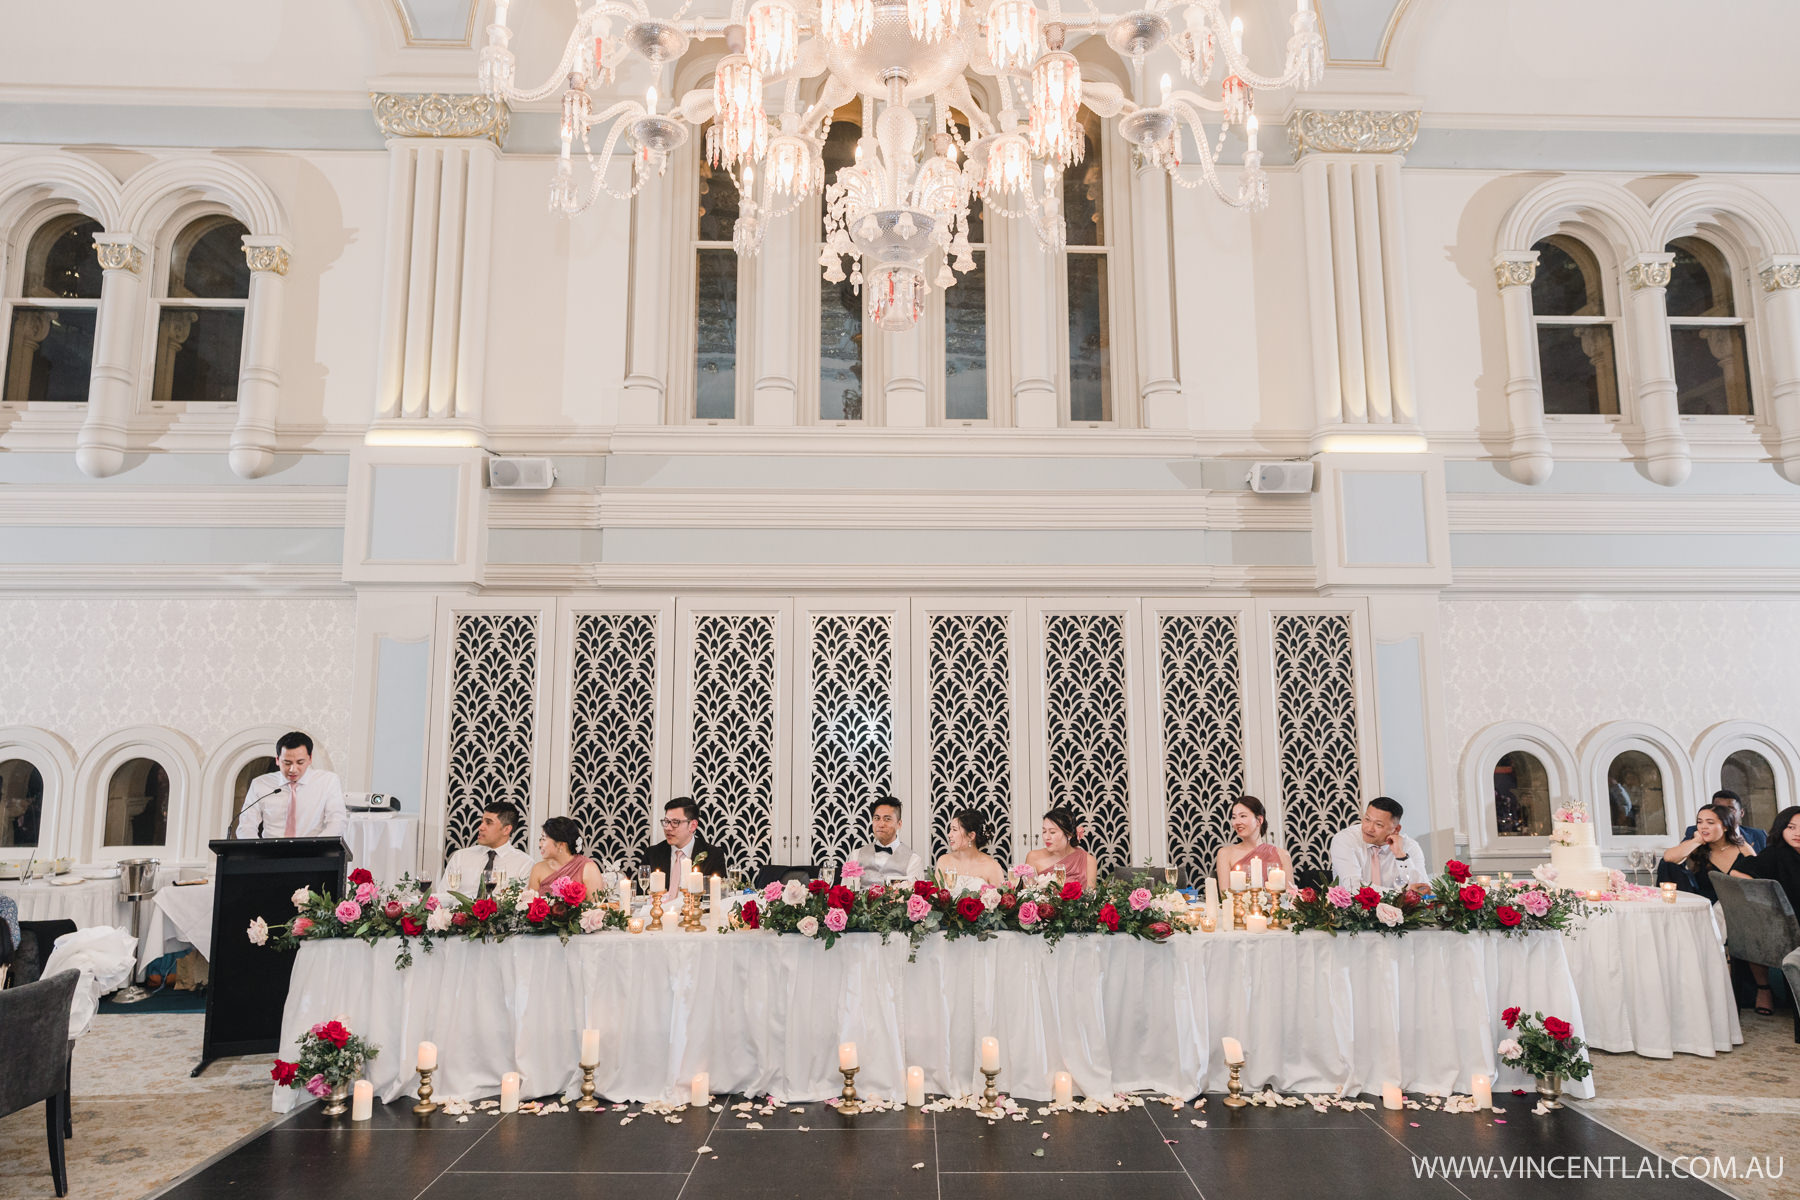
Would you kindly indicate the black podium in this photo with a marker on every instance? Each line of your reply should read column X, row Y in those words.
column 248, row 984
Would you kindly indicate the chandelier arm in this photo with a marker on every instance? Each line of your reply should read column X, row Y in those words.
column 1208, row 170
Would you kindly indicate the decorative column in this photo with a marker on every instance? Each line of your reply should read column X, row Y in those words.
column 1152, row 270
column 1781, row 307
column 259, row 382
column 1647, row 311
column 779, row 271
column 646, row 386
column 100, row 447
column 1035, row 404
column 442, row 151
column 1514, row 272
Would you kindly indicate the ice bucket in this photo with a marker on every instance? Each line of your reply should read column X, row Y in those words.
column 137, row 877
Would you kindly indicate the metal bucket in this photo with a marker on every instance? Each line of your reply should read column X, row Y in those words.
column 137, row 877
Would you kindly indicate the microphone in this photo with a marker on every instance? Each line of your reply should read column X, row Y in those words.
column 258, row 800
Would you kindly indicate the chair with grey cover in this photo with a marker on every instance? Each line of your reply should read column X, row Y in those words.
column 1790, row 966
column 1760, row 926
column 34, row 1045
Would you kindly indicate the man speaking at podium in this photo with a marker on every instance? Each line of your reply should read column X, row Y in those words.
column 295, row 800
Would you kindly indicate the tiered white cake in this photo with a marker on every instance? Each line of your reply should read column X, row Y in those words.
column 1574, row 853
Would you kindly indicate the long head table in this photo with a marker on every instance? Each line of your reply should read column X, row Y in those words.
column 763, row 1015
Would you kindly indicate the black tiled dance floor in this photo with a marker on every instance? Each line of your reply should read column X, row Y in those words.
column 1148, row 1153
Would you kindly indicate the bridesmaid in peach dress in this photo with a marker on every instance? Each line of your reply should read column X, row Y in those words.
column 1250, row 821
column 1062, row 848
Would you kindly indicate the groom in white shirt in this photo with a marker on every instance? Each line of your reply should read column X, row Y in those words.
column 294, row 800
column 1375, row 853
column 493, row 850
column 887, row 858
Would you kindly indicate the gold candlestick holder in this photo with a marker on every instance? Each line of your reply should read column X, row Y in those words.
column 690, row 913
column 990, row 1095
column 1234, row 1088
column 848, row 1104
column 656, row 911
column 587, row 1103
column 426, row 1105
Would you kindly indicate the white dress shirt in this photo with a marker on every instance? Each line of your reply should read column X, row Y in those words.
column 473, row 860
column 320, row 811
column 903, row 863
column 1351, row 858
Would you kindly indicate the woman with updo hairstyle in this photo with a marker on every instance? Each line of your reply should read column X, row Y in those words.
column 1062, row 848
column 967, row 835
column 1250, row 822
column 559, row 844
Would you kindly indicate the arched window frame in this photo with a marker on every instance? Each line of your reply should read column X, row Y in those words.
column 184, row 838
column 15, row 251
column 55, row 762
column 1481, row 822
column 1721, row 741
column 1610, row 318
column 1745, row 295
column 160, row 266
column 1601, row 747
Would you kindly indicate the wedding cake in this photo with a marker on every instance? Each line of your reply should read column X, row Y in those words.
column 1574, row 853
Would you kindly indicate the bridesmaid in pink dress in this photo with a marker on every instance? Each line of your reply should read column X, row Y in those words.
column 1062, row 848
column 1250, row 821
column 560, row 839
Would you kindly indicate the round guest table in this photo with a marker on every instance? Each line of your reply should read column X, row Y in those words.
column 88, row 903
column 1653, row 979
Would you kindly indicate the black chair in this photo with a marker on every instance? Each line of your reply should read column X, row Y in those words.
column 34, row 1045
column 1316, row 878
column 36, row 940
column 776, row 873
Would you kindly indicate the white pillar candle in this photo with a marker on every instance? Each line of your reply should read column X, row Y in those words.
column 1212, row 892
column 915, row 1086
column 1234, row 1051
column 1255, row 923
column 509, row 1092
column 1239, row 881
column 696, row 882
column 590, row 1047
column 1482, row 1088
column 1277, row 880
column 1256, row 873
column 362, row 1100
column 990, row 1054
column 716, row 887
column 658, row 882
column 700, row 1091
column 1391, row 1098
column 625, row 894
column 847, row 1056
column 427, row 1056
column 1062, row 1088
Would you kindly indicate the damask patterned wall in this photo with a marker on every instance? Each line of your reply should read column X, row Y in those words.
column 1202, row 733
column 612, row 731
column 969, row 702
column 1088, row 750
column 851, row 717
column 733, row 715
column 493, row 721
column 1316, row 720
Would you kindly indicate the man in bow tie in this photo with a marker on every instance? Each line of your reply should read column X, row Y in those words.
column 887, row 858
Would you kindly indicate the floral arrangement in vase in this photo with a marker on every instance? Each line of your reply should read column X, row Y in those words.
column 1545, row 1047
column 331, row 1058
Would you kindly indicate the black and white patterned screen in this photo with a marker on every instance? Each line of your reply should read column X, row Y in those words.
column 493, row 722
column 1202, row 734
column 612, row 732
column 1087, row 744
column 1315, row 712
column 969, row 707
column 851, row 719
column 733, row 734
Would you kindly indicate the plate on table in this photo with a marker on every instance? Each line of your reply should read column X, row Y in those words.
column 102, row 872
column 67, row 881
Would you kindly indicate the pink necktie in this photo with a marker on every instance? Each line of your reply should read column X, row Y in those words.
column 678, row 871
column 1375, row 867
column 293, row 807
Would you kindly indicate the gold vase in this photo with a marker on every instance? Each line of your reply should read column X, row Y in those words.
column 1549, row 1088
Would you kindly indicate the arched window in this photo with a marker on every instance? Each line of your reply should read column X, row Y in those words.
column 1576, row 355
column 21, row 802
column 1706, row 333
column 843, row 348
column 1089, row 356
column 137, row 804
column 1521, row 796
column 718, row 293
column 240, row 786
column 1749, row 775
column 1634, row 795
column 200, row 325
column 50, row 350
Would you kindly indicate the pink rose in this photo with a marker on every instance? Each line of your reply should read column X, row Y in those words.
column 569, row 890
column 431, row 904
column 300, row 926
column 1024, row 871
column 917, row 907
column 1338, row 897
column 348, row 910
column 772, row 892
column 1028, row 913
column 366, row 892
column 1139, row 899
column 1534, row 902
column 836, row 919
column 853, row 870
column 318, row 1087
column 392, row 909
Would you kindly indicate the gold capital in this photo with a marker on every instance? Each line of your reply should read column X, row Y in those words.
column 441, row 115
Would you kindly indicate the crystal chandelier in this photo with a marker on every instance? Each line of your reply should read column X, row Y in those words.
column 905, row 200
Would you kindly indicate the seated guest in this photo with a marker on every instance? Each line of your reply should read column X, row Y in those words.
column 1780, row 862
column 682, row 846
column 968, row 832
column 1062, row 848
column 294, row 800
column 887, row 858
column 493, row 851
column 1374, row 853
column 1250, row 821
column 1759, row 841
column 559, row 844
column 1716, row 845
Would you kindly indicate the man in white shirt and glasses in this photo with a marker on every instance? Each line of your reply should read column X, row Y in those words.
column 294, row 800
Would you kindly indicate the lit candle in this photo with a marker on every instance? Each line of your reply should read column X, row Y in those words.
column 1255, row 923
column 658, row 882
column 847, row 1056
column 1668, row 891
column 1251, row 125
column 915, row 1086
column 700, row 1091
column 650, row 100
column 1234, row 1051
column 1485, row 880
column 1168, row 90
column 1256, row 874
column 990, row 1054
column 1391, row 1098
column 590, row 1047
column 696, row 881
column 1238, row 881
column 1483, row 1090
column 1277, row 880
column 1237, row 33
column 1062, row 1088
column 1593, row 894
column 509, row 1092
column 427, row 1056
column 634, row 924
column 362, row 1100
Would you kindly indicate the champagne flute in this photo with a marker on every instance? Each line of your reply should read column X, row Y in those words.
column 643, row 881
column 1169, row 873
column 454, row 879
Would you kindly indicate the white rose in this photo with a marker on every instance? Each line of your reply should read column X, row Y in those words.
column 438, row 919
column 593, row 920
column 794, row 894
column 990, row 898
column 299, row 897
column 809, row 926
column 526, row 897
column 259, row 932
column 1510, row 1049
column 1388, row 915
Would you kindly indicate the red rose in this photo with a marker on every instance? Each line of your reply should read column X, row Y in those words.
column 483, row 908
column 460, row 919
column 1072, row 890
column 1557, row 1029
column 1109, row 916
column 1008, row 901
column 841, row 897
column 1473, row 896
column 392, row 909
column 559, row 909
column 941, row 895
column 283, row 1072
column 1511, row 1016
column 817, row 886
column 410, row 927
column 1368, row 897
column 877, row 892
column 751, row 915
column 361, row 875
column 1509, row 916
column 1307, row 895
column 1160, row 929
column 1457, row 870
column 923, row 887
column 969, row 908
column 335, row 1033
column 537, row 911
column 1046, row 912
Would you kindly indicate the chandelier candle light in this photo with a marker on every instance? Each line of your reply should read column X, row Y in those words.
column 905, row 200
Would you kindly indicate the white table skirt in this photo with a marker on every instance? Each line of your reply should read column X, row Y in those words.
column 89, row 903
column 387, row 844
column 180, row 916
column 1653, row 979
column 764, row 1014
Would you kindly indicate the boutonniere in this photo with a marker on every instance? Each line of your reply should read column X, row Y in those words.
column 701, row 857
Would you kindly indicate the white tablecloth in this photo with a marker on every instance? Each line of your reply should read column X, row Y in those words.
column 180, row 916
column 387, row 844
column 89, row 903
column 764, row 1014
column 1653, row 979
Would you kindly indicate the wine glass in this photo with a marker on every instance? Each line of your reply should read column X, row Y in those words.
column 454, row 879
column 643, row 881
column 1169, row 873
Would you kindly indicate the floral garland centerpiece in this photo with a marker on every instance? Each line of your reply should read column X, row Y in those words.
column 331, row 1058
column 367, row 913
column 1337, row 910
column 1453, row 902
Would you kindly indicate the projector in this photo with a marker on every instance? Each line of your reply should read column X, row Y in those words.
column 520, row 474
column 1280, row 478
